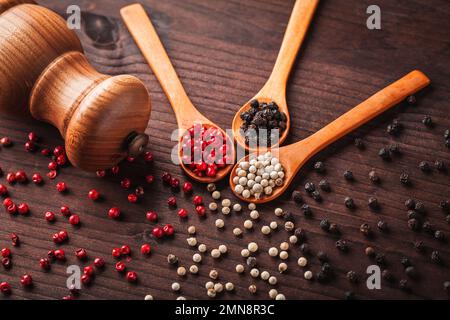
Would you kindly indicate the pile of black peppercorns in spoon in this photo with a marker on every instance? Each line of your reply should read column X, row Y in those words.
column 266, row 116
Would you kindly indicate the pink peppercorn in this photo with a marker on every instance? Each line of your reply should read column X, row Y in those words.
column 26, row 280
column 172, row 201
column 93, row 195
column 52, row 165
column 5, row 288
column 201, row 210
column 37, row 178
column 81, row 254
column 60, row 254
column 126, row 183
column 198, row 200
column 74, row 220
column 3, row 190
column 187, row 187
column 125, row 250
column 182, row 213
column 65, row 211
column 148, row 157
column 168, row 230
column 99, row 262
column 114, row 213
column 59, row 150
column 49, row 216
column 158, row 232
column 100, row 173
column 23, row 209
column 152, row 216
column 132, row 198
column 131, row 276
column 120, row 267
column 61, row 187
column 149, row 178
column 146, row 249
column 116, row 252
column 21, row 177
column 6, row 253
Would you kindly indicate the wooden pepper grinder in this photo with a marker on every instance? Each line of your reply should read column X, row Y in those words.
column 42, row 65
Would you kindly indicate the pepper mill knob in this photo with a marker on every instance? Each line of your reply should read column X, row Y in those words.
column 45, row 68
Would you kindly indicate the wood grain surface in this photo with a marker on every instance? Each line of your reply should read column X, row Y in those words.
column 224, row 52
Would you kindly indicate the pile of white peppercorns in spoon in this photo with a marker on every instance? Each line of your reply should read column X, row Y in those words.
column 259, row 176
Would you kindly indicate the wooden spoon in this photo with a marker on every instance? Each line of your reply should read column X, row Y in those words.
column 294, row 156
column 143, row 32
column 275, row 87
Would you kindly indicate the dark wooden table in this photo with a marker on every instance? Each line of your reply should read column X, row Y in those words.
column 224, row 52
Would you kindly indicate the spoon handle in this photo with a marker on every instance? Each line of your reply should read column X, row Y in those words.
column 144, row 33
column 364, row 112
column 299, row 22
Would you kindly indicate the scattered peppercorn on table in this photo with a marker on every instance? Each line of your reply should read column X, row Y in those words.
column 144, row 230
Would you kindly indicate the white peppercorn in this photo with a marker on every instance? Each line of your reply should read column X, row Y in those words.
column 293, row 239
column 273, row 293
column 197, row 258
column 214, row 274
column 215, row 253
column 209, row 285
column 212, row 206
column 148, row 297
column 181, row 271
column 192, row 242
column 216, row 195
column 176, row 286
column 181, row 298
column 254, row 273
column 254, row 215
column 226, row 210
column 237, row 207
column 302, row 262
column 252, row 247
column 273, row 225
column 218, row 287
column 282, row 267
column 191, row 230
column 308, row 275
column 202, row 247
column 248, row 224
column 251, row 206
column 252, row 289
column 226, row 203
column 219, row 223
column 273, row 252
column 211, row 187
column 289, row 226
column 193, row 269
column 265, row 275
column 280, row 296
column 273, row 280
column 245, row 253
column 223, row 249
column 284, row 246
column 237, row 232
column 265, row 230
column 211, row 293
column 278, row 212
column 229, row 286
column 284, row 255
column 240, row 268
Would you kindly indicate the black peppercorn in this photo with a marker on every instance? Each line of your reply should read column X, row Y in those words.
column 333, row 228
column 448, row 219
column 419, row 207
column 365, row 229
column 439, row 235
column 342, row 245
column 440, row 166
column 300, row 234
column 310, row 187
column 297, row 197
column 322, row 277
column 319, row 166
column 394, row 128
column 304, row 248
column 350, row 295
column 387, row 275
column 412, row 214
column 428, row 227
column 411, row 272
column 384, row 154
column 436, row 257
column 405, row 262
column 411, row 100
column 404, row 285
column 444, row 205
column 359, row 143
column 325, row 224
column 414, row 224
column 288, row 216
column 349, row 203
column 373, row 203
column 404, row 178
column 380, row 259
column 327, row 269
column 348, row 175
column 394, row 148
column 352, row 276
column 369, row 251
column 373, row 176
column 382, row 225
column 419, row 246
column 447, row 286
column 447, row 134
column 251, row 262
column 307, row 212
column 316, row 195
column 427, row 121
column 254, row 104
column 324, row 185
column 410, row 204
column 424, row 166
column 322, row 256
column 447, row 143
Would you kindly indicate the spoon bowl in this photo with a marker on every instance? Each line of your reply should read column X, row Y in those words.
column 294, row 156
column 144, row 33
column 275, row 88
